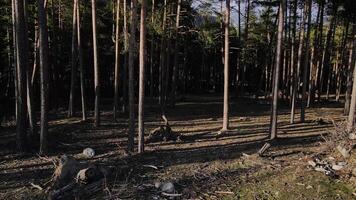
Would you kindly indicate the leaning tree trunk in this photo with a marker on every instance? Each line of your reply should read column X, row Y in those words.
column 21, row 66
column 117, row 59
column 226, row 68
column 80, row 55
column 306, row 62
column 273, row 131
column 74, row 60
column 43, row 38
column 141, row 98
column 130, row 144
column 96, row 67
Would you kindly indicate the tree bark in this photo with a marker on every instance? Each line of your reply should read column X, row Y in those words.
column 351, row 117
column 141, row 99
column 43, row 37
column 126, row 61
column 21, row 67
column 225, row 125
column 306, row 61
column 273, row 131
column 96, row 67
column 176, row 55
column 117, row 60
column 350, row 69
column 131, row 76
column 81, row 67
column 74, row 60
column 299, row 63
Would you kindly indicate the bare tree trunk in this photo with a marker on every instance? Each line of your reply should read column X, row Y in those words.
column 162, row 57
column 29, row 97
column 141, row 98
column 306, row 61
column 21, row 67
column 299, row 63
column 126, row 61
column 176, row 55
column 320, row 50
column 273, row 131
column 131, row 76
column 244, row 50
column 74, row 60
column 152, row 52
column 326, row 54
column 351, row 117
column 43, row 38
column 351, row 66
column 226, row 68
column 96, row 67
column 80, row 55
column 117, row 60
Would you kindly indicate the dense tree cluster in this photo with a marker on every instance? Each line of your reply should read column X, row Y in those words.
column 60, row 53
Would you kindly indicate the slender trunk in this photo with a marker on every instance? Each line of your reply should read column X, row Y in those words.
column 306, row 61
column 162, row 56
column 299, row 63
column 126, row 61
column 117, row 59
column 273, row 131
column 176, row 55
column 96, row 67
column 131, row 76
column 226, row 68
column 21, row 67
column 320, row 50
column 325, row 62
column 80, row 55
column 141, row 99
column 350, row 121
column 43, row 50
column 74, row 60
column 152, row 52
column 244, row 50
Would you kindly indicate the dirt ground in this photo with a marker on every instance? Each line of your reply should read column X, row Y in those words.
column 203, row 167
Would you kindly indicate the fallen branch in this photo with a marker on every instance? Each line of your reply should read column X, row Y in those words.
column 170, row 195
column 264, row 148
column 36, row 186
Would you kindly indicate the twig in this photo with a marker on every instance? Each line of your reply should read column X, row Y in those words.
column 171, row 195
column 224, row 192
column 150, row 166
column 36, row 186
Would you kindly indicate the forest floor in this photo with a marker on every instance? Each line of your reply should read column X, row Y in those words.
column 204, row 167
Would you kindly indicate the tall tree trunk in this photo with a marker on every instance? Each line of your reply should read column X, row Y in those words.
column 80, row 55
column 29, row 97
column 21, row 67
column 117, row 59
column 306, row 61
column 126, row 61
column 325, row 62
column 176, row 55
column 43, row 37
column 152, row 52
column 350, row 69
column 74, row 60
column 273, row 131
column 131, row 76
column 162, row 57
column 244, row 50
column 351, row 118
column 141, row 98
column 226, row 68
column 96, row 67
column 320, row 50
column 299, row 62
